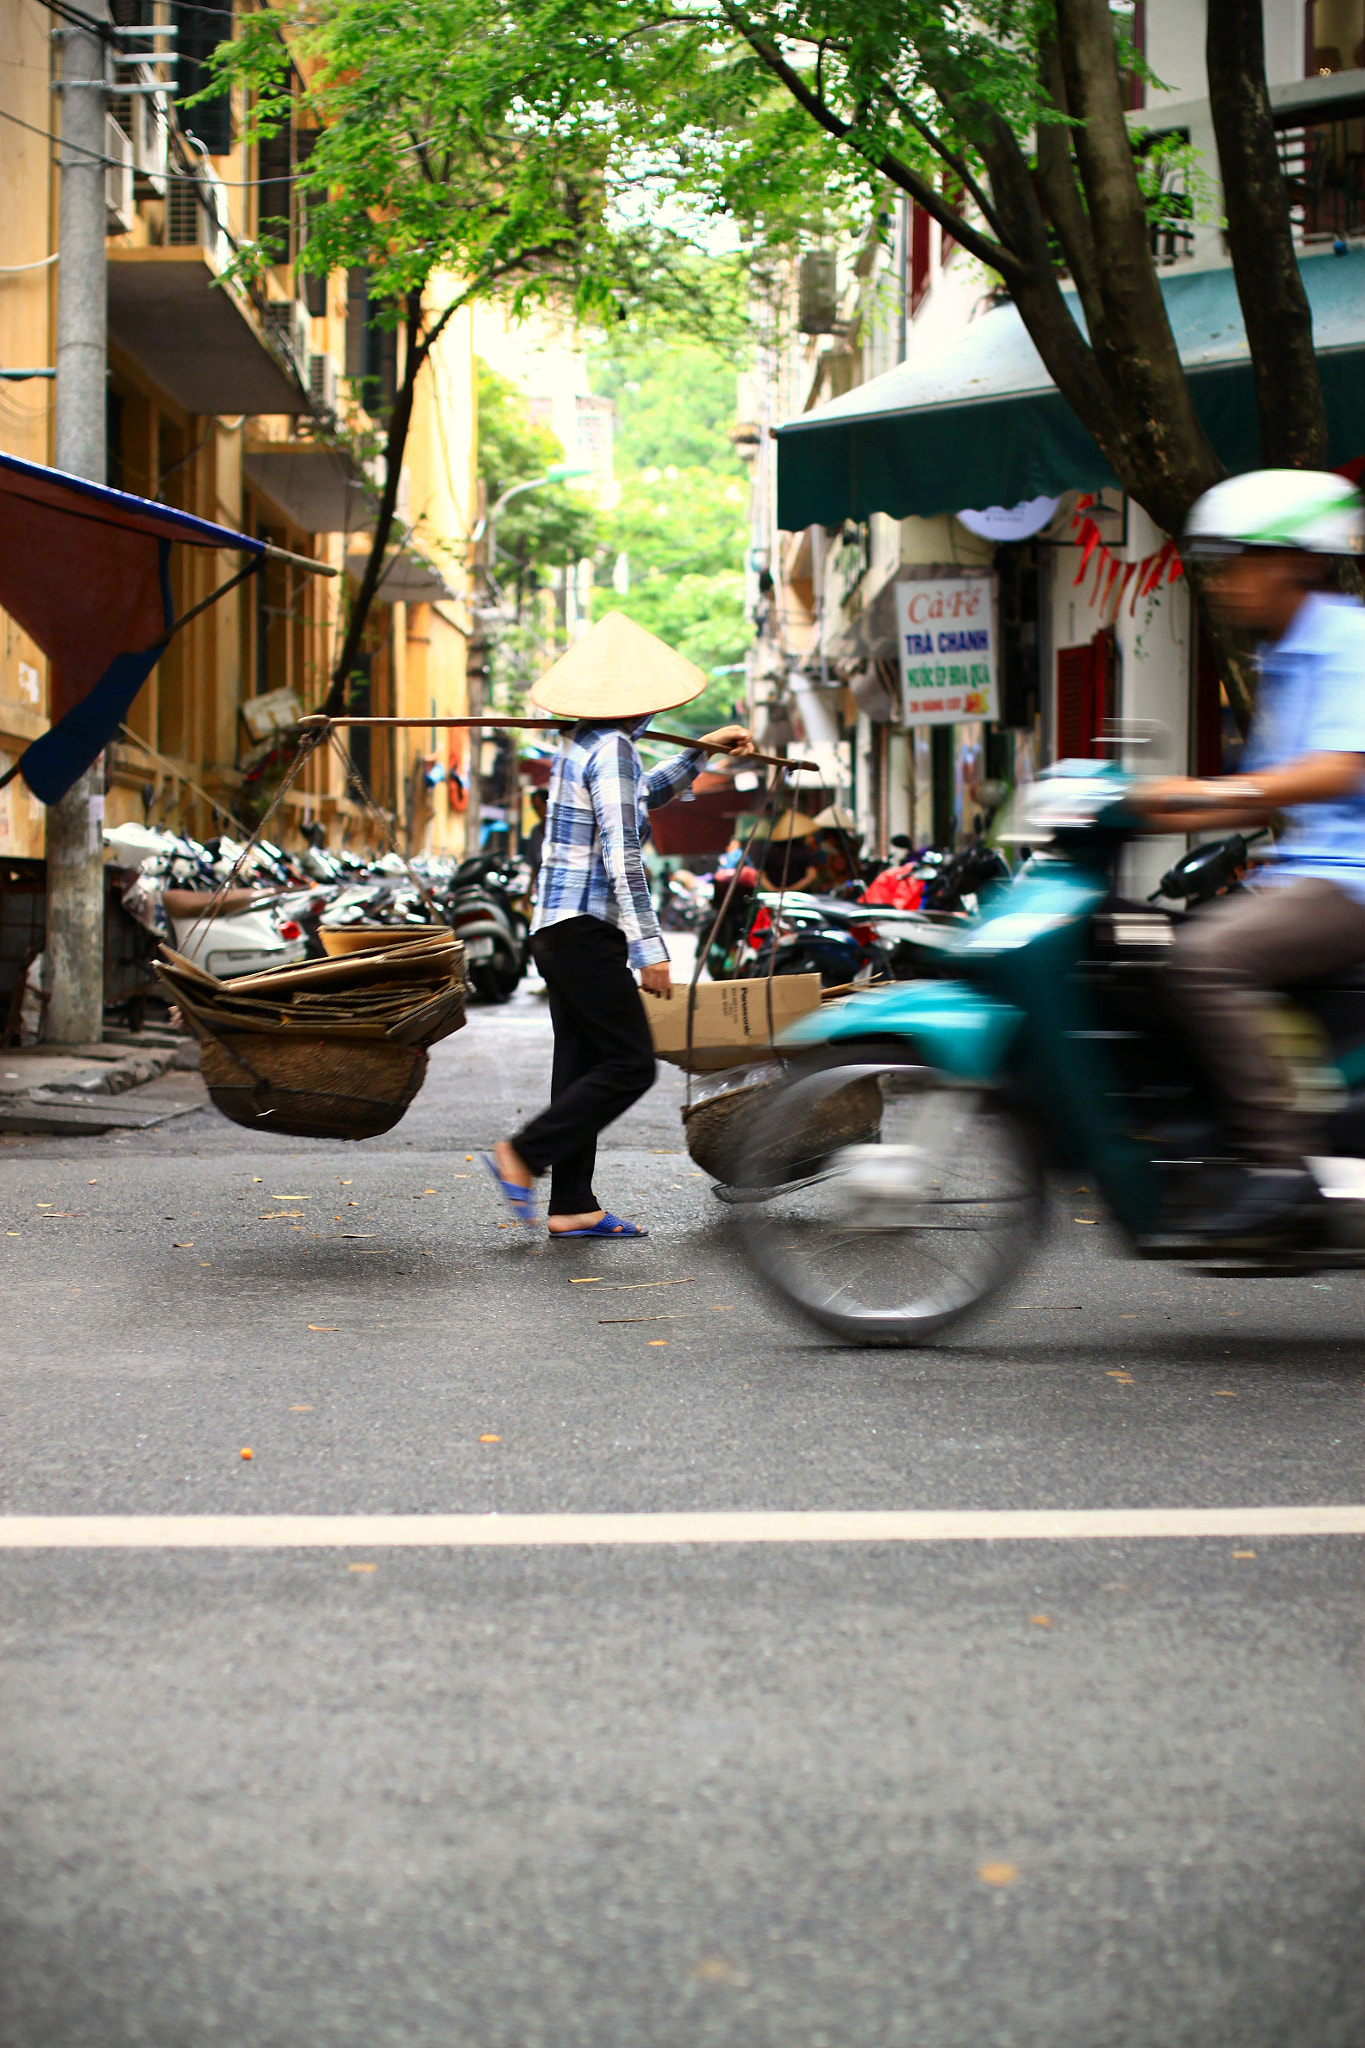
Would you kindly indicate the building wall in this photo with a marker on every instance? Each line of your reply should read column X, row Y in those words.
column 187, row 743
column 27, row 312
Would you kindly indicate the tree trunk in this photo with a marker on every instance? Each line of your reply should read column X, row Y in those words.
column 395, row 446
column 1169, row 456
column 1279, row 323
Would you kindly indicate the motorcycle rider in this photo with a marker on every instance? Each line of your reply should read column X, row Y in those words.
column 1272, row 537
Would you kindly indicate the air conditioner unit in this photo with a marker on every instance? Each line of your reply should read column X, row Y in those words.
column 184, row 225
column 322, row 381
column 150, row 132
column 288, row 325
column 118, row 178
column 818, row 292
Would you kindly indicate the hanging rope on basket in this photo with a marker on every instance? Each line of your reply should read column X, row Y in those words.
column 704, row 946
column 308, row 747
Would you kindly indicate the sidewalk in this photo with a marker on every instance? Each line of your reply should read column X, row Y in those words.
column 87, row 1089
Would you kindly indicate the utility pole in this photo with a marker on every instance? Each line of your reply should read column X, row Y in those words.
column 75, row 844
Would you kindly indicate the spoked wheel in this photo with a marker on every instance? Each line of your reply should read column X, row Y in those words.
column 884, row 1199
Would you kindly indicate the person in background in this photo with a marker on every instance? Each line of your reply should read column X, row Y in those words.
column 594, row 919
column 534, row 843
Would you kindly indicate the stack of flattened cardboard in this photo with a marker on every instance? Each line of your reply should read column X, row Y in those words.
column 331, row 1049
column 412, row 994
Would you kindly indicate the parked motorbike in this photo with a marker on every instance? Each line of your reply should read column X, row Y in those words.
column 813, row 935
column 486, row 902
column 1052, row 1045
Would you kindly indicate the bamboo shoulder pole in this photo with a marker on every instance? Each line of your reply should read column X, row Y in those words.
column 559, row 725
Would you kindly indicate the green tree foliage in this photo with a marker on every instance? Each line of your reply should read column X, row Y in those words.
column 1004, row 121
column 450, row 164
column 682, row 522
column 547, row 528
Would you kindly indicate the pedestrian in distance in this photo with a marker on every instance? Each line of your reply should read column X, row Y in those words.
column 594, row 918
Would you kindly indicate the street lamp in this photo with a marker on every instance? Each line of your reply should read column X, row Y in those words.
column 556, row 473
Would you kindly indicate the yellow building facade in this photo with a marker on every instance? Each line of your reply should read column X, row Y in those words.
column 245, row 408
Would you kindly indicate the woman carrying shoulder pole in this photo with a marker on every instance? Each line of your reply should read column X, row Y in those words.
column 594, row 919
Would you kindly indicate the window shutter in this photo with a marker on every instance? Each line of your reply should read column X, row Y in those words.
column 1075, row 702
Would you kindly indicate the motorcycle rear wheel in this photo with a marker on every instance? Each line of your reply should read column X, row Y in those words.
column 893, row 1241
column 496, row 979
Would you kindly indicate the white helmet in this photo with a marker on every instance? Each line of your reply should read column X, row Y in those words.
column 1310, row 509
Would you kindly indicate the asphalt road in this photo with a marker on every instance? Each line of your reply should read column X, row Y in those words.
column 957, row 1795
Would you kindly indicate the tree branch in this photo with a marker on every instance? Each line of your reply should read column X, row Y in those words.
column 1057, row 180
column 1279, row 321
column 956, row 162
column 994, row 254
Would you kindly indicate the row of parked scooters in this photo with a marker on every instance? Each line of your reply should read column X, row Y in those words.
column 856, row 937
column 280, row 902
column 848, row 937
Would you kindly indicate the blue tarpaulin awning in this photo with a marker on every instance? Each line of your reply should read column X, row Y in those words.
column 978, row 421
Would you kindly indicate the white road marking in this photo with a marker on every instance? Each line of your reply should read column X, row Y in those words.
column 479, row 1532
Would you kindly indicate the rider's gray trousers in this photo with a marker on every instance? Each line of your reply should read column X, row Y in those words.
column 1224, row 965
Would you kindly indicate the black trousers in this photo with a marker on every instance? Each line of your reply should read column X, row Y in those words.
column 604, row 1056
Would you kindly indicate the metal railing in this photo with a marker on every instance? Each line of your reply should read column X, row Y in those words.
column 1324, row 168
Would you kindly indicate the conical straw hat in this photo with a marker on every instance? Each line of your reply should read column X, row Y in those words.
column 617, row 670
column 833, row 819
column 792, row 825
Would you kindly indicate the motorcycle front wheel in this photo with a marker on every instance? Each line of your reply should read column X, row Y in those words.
column 882, row 1199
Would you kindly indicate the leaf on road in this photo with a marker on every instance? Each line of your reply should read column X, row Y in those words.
column 490, row 1439
column 633, row 1286
column 655, row 1343
column 1225, row 1393
column 1125, row 1379
column 715, row 1970
column 183, row 1247
column 362, row 1567
column 302, row 1408
column 329, row 1327
column 587, row 1280
column 1041, row 1620
column 997, row 1873
column 1244, row 1553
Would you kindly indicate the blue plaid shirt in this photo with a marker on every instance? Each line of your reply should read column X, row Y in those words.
column 597, row 820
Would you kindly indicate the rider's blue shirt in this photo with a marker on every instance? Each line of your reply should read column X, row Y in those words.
column 1312, row 701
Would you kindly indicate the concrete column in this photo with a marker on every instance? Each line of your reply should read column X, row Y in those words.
column 75, row 847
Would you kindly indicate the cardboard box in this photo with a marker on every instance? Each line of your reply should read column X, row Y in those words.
column 729, row 1019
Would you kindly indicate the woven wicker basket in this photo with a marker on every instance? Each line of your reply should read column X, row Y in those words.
column 718, row 1129
column 310, row 1087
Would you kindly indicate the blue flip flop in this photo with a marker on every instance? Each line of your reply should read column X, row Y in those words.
column 521, row 1201
column 610, row 1226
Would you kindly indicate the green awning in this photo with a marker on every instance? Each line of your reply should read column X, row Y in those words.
column 979, row 422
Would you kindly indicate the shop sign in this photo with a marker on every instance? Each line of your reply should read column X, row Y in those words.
column 946, row 632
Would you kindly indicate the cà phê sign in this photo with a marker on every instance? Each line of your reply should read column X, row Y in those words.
column 946, row 634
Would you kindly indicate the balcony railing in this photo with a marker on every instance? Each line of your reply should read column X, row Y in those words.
column 1324, row 167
